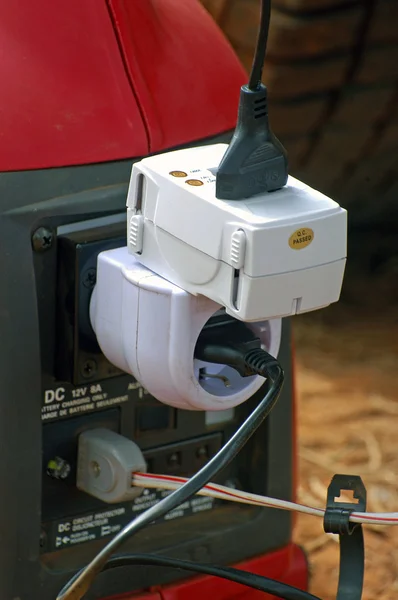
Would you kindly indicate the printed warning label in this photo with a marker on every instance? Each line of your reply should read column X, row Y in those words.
column 65, row 402
column 98, row 525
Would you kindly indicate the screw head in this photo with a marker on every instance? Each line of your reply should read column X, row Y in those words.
column 89, row 368
column 42, row 239
column 89, row 278
column 96, row 468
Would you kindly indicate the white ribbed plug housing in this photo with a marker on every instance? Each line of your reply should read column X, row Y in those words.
column 149, row 327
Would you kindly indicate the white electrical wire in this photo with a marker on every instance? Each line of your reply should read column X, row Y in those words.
column 213, row 490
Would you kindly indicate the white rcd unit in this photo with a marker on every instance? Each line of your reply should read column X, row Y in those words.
column 271, row 255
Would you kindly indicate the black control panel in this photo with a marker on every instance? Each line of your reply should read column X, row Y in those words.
column 80, row 398
column 55, row 383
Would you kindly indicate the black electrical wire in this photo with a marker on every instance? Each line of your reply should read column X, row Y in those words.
column 257, row 582
column 78, row 586
column 255, row 161
column 261, row 47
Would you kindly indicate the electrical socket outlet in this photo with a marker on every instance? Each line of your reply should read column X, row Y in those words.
column 79, row 358
column 183, row 458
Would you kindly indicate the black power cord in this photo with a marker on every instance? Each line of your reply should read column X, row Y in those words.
column 227, row 341
column 79, row 585
column 261, row 46
column 255, row 161
column 257, row 582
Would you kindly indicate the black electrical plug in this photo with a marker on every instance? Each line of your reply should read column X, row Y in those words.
column 225, row 340
column 255, row 161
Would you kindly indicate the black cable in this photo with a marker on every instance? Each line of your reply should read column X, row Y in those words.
column 257, row 582
column 255, row 161
column 261, row 47
column 78, row 586
column 227, row 341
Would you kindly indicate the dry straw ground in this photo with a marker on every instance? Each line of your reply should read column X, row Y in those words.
column 348, row 423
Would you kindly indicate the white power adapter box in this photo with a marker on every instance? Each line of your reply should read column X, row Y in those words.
column 272, row 255
column 190, row 255
column 149, row 327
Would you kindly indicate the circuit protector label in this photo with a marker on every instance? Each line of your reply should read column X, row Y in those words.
column 107, row 522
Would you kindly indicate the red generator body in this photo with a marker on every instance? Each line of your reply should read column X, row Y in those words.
column 89, row 87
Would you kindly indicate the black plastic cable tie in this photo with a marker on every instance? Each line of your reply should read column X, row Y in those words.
column 337, row 521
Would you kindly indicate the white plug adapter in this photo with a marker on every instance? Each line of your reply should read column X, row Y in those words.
column 149, row 327
column 272, row 255
column 106, row 462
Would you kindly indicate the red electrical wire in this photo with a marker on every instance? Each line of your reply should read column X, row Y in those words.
column 171, row 482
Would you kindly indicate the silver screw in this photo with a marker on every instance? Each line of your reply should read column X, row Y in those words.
column 96, row 468
column 42, row 239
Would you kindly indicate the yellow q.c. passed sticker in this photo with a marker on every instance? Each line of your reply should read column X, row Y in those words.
column 301, row 238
